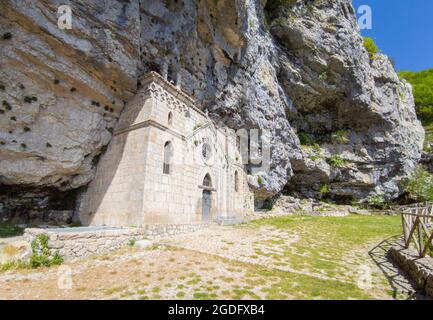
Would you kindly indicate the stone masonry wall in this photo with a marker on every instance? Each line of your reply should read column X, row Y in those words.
column 83, row 241
column 419, row 269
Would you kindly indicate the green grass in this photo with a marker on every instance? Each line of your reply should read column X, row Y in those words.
column 10, row 230
column 327, row 247
column 353, row 229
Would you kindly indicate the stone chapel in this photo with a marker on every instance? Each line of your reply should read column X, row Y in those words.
column 167, row 163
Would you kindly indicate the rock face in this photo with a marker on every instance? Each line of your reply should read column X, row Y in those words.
column 282, row 66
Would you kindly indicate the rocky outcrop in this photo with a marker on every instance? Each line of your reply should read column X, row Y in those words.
column 281, row 66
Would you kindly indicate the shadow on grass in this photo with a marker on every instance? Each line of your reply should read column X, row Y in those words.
column 397, row 278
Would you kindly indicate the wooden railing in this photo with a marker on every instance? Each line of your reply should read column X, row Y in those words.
column 417, row 223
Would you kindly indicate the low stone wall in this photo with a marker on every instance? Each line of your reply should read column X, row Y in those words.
column 419, row 269
column 85, row 241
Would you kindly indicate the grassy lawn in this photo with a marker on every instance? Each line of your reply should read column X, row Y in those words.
column 334, row 250
column 9, row 230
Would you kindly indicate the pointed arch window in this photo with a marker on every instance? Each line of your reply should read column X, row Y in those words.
column 168, row 155
column 207, row 181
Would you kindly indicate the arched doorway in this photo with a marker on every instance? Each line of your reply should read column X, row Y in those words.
column 206, row 198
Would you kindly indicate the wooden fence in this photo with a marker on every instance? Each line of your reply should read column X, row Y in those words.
column 417, row 223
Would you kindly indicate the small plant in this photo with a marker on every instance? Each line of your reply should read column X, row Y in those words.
column 23, row 145
column 420, row 185
column 106, row 108
column 260, row 180
column 56, row 81
column 41, row 253
column 197, row 125
column 7, row 36
column 95, row 103
column 27, row 129
column 323, row 76
column 111, row 130
column 335, row 161
column 378, row 201
column 48, row 145
column 196, row 142
column 339, row 136
column 371, row 47
column 2, row 87
column 22, row 86
column 324, row 189
column 13, row 118
column 305, row 138
column 131, row 242
column 401, row 95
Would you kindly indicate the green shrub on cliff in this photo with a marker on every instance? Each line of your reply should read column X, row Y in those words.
column 371, row 47
column 336, row 161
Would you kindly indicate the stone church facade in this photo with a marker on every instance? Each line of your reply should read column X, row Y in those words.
column 167, row 163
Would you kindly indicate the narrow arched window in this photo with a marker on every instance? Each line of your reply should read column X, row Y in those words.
column 170, row 118
column 238, row 143
column 236, row 181
column 207, row 181
column 168, row 153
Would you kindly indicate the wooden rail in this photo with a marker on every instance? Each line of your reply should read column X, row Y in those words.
column 417, row 223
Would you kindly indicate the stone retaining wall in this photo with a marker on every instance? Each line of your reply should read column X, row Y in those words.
column 85, row 241
column 419, row 269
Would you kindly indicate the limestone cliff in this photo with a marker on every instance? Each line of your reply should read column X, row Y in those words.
column 286, row 66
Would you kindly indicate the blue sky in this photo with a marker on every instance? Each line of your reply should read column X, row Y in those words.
column 403, row 30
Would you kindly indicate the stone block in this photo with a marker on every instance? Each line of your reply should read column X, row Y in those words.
column 142, row 244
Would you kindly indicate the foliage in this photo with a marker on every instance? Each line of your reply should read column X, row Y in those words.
column 324, row 189
column 378, row 201
column 422, row 83
column 339, row 136
column 371, row 47
column 420, row 185
column 13, row 265
column 41, row 253
column 10, row 230
column 305, row 138
column 260, row 180
column 335, row 161
column 323, row 76
column 131, row 242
